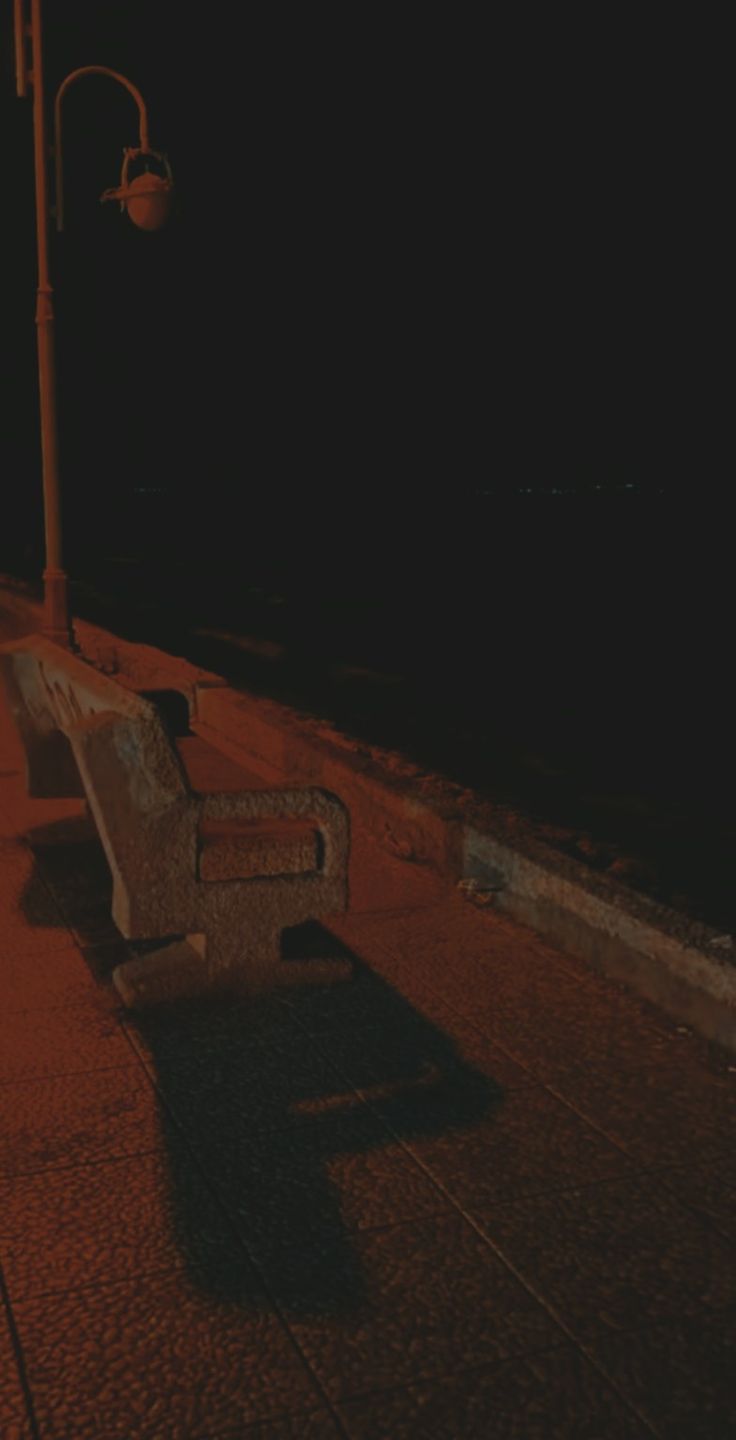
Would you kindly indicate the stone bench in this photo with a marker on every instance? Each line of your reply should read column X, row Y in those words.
column 226, row 870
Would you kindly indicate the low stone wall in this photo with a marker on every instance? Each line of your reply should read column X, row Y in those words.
column 686, row 968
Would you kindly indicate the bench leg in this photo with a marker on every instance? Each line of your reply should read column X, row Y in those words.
column 175, row 972
column 255, row 968
column 187, row 968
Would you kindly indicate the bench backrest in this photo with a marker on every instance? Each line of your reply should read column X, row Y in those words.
column 54, row 682
column 50, row 691
column 116, row 744
column 35, row 674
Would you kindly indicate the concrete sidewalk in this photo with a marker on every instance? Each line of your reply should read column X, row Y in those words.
column 479, row 1191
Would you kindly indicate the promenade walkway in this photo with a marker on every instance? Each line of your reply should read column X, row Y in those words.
column 477, row 1192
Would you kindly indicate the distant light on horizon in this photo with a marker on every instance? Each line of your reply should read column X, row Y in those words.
column 568, row 489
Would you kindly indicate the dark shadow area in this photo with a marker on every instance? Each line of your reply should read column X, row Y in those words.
column 39, row 902
column 72, row 865
column 173, row 708
column 267, row 1094
column 259, row 1098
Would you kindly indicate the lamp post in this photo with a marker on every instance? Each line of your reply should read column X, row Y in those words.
column 147, row 200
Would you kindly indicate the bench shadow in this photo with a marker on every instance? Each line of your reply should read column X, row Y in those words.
column 71, row 865
column 270, row 1094
column 263, row 1101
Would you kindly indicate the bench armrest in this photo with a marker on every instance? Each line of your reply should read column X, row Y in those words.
column 307, row 802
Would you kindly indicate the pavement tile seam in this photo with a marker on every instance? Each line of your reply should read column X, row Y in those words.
column 529, row 1194
column 389, row 1225
column 635, row 1174
column 63, row 1074
column 365, row 1093
column 45, row 948
column 322, row 1041
column 444, row 1203
column 114, row 1299
column 322, row 1044
column 195, row 1278
column 572, row 1186
column 33, row 1171
column 505, row 1037
column 425, row 1376
column 75, row 1005
column 108, row 1165
column 15, row 1340
column 97, row 1002
column 93, row 998
column 396, row 910
column 482, row 927
column 523, row 1279
column 194, row 1159
column 665, row 1174
column 589, row 1348
column 267, row 1050
column 89, row 1004
column 618, row 1389
column 126, row 1026
column 459, row 1018
column 166, row 1106
column 585, row 980
column 309, row 1370
column 585, row 1343
column 572, row 973
column 83, row 1288
column 276, row 1425
column 40, row 954
column 676, row 1388
column 467, row 1018
column 27, row 1084
column 432, row 1198
column 558, row 1350
column 600, row 1126
column 473, row 1369
column 504, row 1053
column 360, row 1393
column 22, row 846
column 285, row 1128
column 586, row 1120
column 548, row 1305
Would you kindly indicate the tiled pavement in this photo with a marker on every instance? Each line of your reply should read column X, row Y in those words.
column 475, row 1192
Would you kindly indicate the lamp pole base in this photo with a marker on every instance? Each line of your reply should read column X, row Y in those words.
column 57, row 624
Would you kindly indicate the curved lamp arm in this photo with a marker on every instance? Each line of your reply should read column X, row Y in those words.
column 61, row 92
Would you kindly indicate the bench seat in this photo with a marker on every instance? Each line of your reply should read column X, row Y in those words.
column 241, row 849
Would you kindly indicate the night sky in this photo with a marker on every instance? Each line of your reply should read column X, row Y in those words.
column 411, row 267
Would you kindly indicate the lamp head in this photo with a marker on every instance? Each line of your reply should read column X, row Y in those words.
column 148, row 197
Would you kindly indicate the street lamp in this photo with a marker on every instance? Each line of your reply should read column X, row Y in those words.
column 147, row 199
